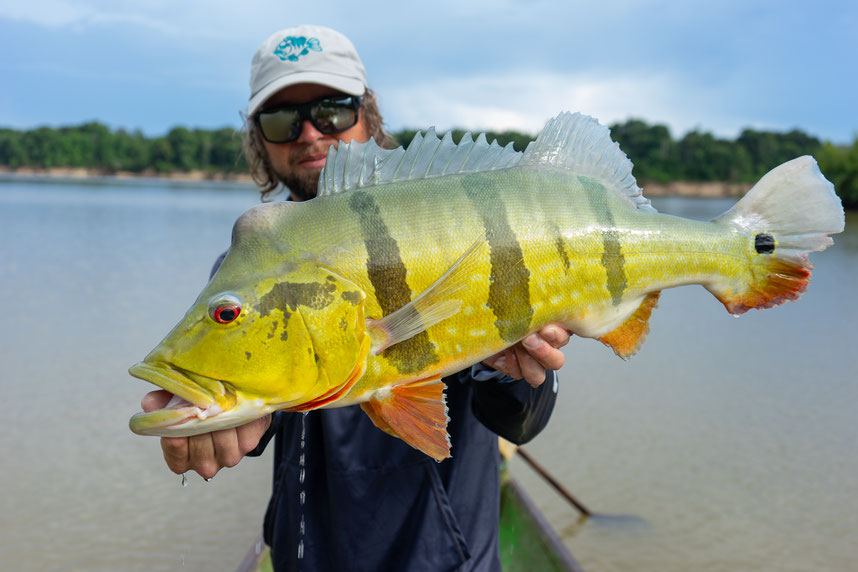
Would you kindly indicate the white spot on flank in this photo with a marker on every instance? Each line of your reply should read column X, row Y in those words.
column 478, row 333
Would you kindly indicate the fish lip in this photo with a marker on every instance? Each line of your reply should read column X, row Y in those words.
column 176, row 381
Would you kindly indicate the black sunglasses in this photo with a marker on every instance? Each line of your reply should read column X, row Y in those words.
column 329, row 115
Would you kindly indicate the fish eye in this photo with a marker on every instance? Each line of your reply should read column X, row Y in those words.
column 225, row 308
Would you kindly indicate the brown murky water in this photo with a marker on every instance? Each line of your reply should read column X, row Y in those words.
column 732, row 443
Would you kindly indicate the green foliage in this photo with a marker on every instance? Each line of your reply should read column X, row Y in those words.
column 840, row 165
column 519, row 140
column 651, row 148
column 657, row 156
column 94, row 146
column 700, row 156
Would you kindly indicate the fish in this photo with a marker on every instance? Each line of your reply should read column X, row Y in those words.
column 412, row 264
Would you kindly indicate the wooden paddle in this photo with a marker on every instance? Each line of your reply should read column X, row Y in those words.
column 508, row 449
column 553, row 482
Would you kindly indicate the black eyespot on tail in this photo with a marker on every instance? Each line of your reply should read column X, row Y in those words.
column 764, row 243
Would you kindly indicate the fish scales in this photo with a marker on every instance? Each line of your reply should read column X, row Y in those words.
column 412, row 265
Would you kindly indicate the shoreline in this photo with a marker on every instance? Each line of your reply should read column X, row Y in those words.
column 699, row 189
column 83, row 174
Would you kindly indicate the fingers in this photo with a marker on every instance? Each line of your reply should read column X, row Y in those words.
column 505, row 362
column 556, row 335
column 531, row 357
column 155, row 400
column 176, row 451
column 250, row 434
column 545, row 353
column 206, row 454
column 210, row 452
column 532, row 371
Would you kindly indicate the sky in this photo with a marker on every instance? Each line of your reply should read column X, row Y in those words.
column 717, row 66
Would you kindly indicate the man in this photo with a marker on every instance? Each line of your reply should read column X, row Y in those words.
column 346, row 495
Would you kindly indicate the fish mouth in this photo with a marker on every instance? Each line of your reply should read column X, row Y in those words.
column 196, row 398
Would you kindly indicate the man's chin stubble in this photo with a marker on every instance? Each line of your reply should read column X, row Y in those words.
column 302, row 187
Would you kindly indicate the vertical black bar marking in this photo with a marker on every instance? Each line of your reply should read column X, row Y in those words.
column 560, row 245
column 387, row 274
column 612, row 256
column 509, row 286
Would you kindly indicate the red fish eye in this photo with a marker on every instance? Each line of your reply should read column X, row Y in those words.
column 226, row 314
column 225, row 308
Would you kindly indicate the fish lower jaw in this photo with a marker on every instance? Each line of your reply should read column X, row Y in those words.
column 181, row 404
column 180, row 418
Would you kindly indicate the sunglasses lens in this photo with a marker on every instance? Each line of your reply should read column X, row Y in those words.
column 280, row 125
column 333, row 116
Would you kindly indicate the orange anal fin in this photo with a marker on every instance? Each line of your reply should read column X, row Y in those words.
column 416, row 413
column 630, row 335
column 785, row 281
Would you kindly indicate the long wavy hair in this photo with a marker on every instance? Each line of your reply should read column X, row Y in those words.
column 262, row 171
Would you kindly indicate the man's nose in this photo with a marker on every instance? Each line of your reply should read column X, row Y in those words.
column 309, row 133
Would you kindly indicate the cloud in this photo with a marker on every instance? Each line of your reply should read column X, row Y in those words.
column 192, row 19
column 523, row 102
column 50, row 13
column 509, row 64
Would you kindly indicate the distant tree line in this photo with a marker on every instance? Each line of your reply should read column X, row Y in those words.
column 657, row 156
column 94, row 146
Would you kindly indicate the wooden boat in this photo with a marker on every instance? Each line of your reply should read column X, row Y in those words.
column 527, row 540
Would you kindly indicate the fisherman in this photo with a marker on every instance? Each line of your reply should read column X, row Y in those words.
column 346, row 495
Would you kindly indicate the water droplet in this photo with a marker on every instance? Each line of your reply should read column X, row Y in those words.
column 302, row 496
column 184, row 480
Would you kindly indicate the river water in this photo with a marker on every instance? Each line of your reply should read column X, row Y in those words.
column 729, row 444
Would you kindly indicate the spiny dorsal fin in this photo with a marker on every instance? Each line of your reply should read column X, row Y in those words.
column 578, row 143
column 354, row 165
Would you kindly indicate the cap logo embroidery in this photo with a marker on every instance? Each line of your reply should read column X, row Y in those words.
column 292, row 48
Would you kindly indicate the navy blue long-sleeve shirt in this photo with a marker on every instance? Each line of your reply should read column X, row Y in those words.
column 372, row 502
column 347, row 496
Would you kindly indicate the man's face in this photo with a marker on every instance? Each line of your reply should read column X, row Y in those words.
column 299, row 162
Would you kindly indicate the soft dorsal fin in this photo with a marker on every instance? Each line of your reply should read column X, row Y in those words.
column 578, row 143
column 354, row 165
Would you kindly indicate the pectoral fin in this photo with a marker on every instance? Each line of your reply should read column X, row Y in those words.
column 630, row 335
column 416, row 413
column 438, row 302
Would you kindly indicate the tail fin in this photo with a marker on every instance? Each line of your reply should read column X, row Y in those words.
column 789, row 213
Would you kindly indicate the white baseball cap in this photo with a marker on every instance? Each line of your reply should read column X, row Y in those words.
column 304, row 54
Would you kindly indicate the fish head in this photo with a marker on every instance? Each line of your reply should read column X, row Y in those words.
column 294, row 338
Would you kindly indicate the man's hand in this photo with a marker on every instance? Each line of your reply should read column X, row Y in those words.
column 210, row 452
column 529, row 358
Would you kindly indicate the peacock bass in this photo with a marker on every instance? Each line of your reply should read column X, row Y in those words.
column 413, row 264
